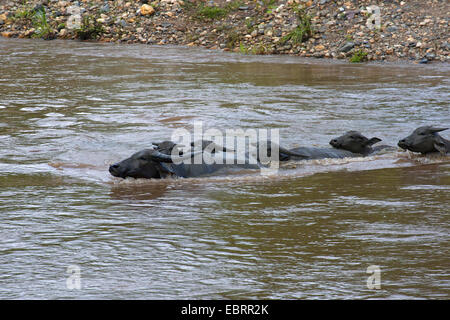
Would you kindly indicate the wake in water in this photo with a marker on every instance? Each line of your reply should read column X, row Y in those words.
column 98, row 173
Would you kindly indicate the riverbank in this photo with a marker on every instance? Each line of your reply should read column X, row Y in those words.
column 414, row 31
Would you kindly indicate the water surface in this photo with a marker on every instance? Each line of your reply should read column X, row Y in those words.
column 69, row 109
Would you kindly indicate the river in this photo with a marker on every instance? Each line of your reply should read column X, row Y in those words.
column 316, row 230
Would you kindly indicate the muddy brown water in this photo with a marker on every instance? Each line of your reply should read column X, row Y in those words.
column 68, row 109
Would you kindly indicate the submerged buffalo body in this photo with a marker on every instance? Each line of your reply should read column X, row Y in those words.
column 306, row 153
column 426, row 140
column 311, row 153
column 351, row 144
column 153, row 164
column 160, row 162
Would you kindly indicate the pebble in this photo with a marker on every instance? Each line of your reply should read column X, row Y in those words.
column 319, row 47
column 147, row 10
column 347, row 47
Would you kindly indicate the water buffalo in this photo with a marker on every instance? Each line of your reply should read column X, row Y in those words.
column 426, row 140
column 147, row 163
column 355, row 142
column 168, row 147
column 153, row 164
column 351, row 144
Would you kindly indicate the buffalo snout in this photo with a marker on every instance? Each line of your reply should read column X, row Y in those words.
column 402, row 144
column 335, row 143
column 114, row 169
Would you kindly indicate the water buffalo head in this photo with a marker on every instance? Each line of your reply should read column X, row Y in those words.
column 355, row 142
column 147, row 163
column 425, row 140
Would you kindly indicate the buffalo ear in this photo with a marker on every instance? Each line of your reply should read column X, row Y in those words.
column 440, row 146
column 372, row 141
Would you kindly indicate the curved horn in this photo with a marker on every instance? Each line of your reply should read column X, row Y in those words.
column 372, row 141
column 434, row 129
column 161, row 157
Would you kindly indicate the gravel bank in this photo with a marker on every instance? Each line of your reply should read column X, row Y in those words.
column 413, row 30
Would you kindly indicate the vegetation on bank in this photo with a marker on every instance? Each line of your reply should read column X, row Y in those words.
column 303, row 31
column 38, row 18
column 359, row 56
column 208, row 11
column 89, row 29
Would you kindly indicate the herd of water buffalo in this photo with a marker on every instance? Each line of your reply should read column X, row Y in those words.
column 160, row 162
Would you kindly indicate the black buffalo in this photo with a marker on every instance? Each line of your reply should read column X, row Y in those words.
column 425, row 140
column 154, row 164
column 355, row 142
column 351, row 144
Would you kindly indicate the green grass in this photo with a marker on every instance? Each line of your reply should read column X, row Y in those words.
column 303, row 31
column 205, row 12
column 243, row 49
column 212, row 13
column 257, row 49
column 358, row 56
column 232, row 39
column 249, row 23
column 260, row 49
column 24, row 13
column 40, row 23
column 89, row 28
column 268, row 3
column 38, row 19
column 234, row 5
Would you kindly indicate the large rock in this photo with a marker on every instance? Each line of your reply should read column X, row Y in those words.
column 347, row 47
column 7, row 34
column 147, row 10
